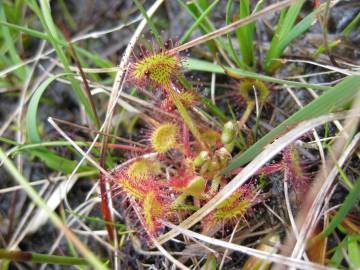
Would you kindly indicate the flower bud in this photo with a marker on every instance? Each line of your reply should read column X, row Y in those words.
column 201, row 158
column 229, row 133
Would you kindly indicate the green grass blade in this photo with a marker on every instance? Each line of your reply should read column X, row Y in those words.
column 204, row 25
column 354, row 252
column 153, row 29
column 197, row 23
column 45, row 11
column 283, row 28
column 31, row 116
column 11, row 142
column 35, row 197
column 24, row 147
column 200, row 65
column 10, row 46
column 26, row 30
column 23, row 256
column 198, row 9
column 18, row 9
column 245, row 34
column 342, row 174
column 290, row 18
column 351, row 26
column 51, row 159
column 93, row 57
column 338, row 251
column 57, row 162
column 202, row 3
column 44, row 15
column 68, row 18
column 337, row 257
column 350, row 201
column 298, row 29
column 233, row 53
column 214, row 109
column 332, row 99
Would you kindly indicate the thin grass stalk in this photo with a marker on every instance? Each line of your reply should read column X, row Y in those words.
column 348, row 204
column 11, row 47
column 233, row 26
column 44, row 16
column 88, row 255
column 153, row 29
column 86, row 84
column 24, row 256
column 115, row 94
column 311, row 206
column 280, row 259
column 204, row 66
column 198, row 22
column 233, row 53
column 286, row 22
column 245, row 35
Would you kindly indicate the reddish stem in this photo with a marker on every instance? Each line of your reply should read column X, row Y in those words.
column 105, row 210
column 264, row 170
column 125, row 147
column 271, row 168
column 105, row 207
column 186, row 140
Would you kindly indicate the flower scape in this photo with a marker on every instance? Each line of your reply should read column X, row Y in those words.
column 186, row 152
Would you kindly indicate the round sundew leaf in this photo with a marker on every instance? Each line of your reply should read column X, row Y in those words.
column 164, row 138
column 143, row 169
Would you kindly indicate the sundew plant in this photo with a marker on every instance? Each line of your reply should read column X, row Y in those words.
column 179, row 134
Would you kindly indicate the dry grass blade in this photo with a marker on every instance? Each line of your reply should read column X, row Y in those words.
column 343, row 71
column 86, row 88
column 283, row 260
column 155, row 242
column 269, row 152
column 310, row 209
column 45, row 54
column 53, row 217
column 115, row 94
column 124, row 61
column 231, row 27
column 85, row 155
column 113, row 100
